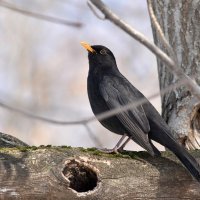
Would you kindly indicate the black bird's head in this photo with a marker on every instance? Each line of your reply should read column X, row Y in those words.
column 100, row 57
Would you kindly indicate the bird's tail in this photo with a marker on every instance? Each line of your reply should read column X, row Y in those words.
column 167, row 140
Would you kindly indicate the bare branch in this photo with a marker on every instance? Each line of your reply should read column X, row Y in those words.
column 40, row 16
column 44, row 119
column 160, row 32
column 94, row 11
column 177, row 71
column 93, row 136
column 52, row 121
column 100, row 116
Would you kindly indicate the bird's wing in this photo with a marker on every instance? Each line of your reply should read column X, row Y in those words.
column 117, row 93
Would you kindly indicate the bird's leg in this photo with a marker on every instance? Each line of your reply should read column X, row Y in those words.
column 121, row 148
column 115, row 149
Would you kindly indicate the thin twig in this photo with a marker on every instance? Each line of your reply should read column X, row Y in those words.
column 177, row 71
column 93, row 136
column 160, row 32
column 94, row 11
column 44, row 119
column 101, row 116
column 40, row 16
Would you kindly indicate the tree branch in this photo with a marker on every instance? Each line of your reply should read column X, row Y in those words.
column 90, row 119
column 177, row 71
column 158, row 28
column 40, row 16
column 90, row 5
column 76, row 173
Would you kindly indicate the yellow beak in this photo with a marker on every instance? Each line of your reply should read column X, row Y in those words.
column 88, row 47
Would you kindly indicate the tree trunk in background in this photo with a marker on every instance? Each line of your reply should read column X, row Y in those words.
column 180, row 22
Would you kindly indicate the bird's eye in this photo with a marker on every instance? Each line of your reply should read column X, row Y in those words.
column 103, row 52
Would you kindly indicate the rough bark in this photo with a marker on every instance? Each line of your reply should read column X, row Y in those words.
column 59, row 172
column 180, row 22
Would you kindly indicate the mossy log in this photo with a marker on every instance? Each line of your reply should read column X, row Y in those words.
column 48, row 172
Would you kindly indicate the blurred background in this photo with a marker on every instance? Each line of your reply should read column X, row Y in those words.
column 43, row 68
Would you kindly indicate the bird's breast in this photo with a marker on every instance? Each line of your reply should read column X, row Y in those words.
column 99, row 105
column 97, row 102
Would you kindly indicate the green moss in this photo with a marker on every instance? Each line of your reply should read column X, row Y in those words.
column 82, row 149
column 23, row 149
column 92, row 149
column 87, row 149
column 66, row 147
column 124, row 154
column 29, row 148
column 33, row 148
column 97, row 153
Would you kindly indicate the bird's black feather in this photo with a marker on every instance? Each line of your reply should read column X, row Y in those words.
column 109, row 89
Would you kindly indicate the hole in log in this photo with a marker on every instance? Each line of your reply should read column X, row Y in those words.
column 82, row 177
column 196, row 120
column 194, row 136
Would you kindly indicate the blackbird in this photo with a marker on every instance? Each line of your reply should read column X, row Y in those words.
column 109, row 89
